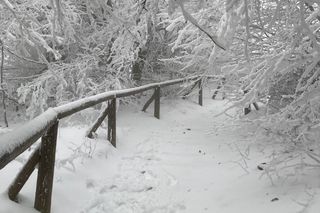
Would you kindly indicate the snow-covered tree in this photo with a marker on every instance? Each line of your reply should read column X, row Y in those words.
column 58, row 51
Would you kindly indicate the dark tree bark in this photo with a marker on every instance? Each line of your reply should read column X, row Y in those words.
column 1, row 86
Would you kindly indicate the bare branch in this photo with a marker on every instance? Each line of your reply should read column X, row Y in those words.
column 189, row 17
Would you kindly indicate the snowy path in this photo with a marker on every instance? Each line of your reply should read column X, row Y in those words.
column 189, row 161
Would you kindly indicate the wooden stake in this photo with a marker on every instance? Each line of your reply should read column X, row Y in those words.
column 97, row 123
column 200, row 93
column 112, row 122
column 157, row 102
column 23, row 175
column 184, row 96
column 145, row 107
column 46, row 170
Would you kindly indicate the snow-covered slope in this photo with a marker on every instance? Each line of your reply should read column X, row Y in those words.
column 188, row 161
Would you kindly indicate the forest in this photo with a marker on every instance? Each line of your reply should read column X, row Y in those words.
column 262, row 52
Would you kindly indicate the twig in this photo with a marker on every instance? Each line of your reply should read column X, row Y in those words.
column 313, row 157
column 188, row 17
column 25, row 59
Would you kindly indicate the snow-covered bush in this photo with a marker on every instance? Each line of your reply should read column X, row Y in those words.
column 272, row 53
column 286, row 73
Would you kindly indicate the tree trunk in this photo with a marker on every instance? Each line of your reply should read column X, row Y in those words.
column 2, row 88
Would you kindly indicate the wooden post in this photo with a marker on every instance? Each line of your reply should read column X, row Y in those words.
column 221, row 84
column 216, row 92
column 255, row 105
column 97, row 123
column 145, row 107
column 157, row 102
column 112, row 118
column 23, row 175
column 200, row 93
column 46, row 170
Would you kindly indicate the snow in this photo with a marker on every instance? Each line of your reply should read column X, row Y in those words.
column 11, row 207
column 12, row 139
column 188, row 161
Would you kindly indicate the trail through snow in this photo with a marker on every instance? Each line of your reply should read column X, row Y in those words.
column 188, row 161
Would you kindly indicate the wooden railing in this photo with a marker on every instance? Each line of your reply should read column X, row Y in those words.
column 45, row 126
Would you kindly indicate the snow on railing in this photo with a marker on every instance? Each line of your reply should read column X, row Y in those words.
column 76, row 106
column 17, row 141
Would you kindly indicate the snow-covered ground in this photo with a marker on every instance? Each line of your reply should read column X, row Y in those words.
column 189, row 161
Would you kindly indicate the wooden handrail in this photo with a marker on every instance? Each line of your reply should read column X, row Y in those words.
column 76, row 106
column 45, row 126
column 12, row 144
column 17, row 141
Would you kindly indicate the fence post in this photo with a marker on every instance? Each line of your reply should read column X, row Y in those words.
column 200, row 93
column 145, row 107
column 157, row 102
column 97, row 122
column 112, row 128
column 46, row 170
column 23, row 175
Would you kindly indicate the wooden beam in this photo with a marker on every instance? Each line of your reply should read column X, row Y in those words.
column 23, row 175
column 189, row 91
column 255, row 105
column 221, row 83
column 112, row 122
column 145, row 107
column 200, row 93
column 216, row 91
column 46, row 170
column 98, row 122
column 28, row 134
column 157, row 94
column 76, row 106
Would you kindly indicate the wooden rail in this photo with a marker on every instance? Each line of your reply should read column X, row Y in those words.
column 45, row 126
